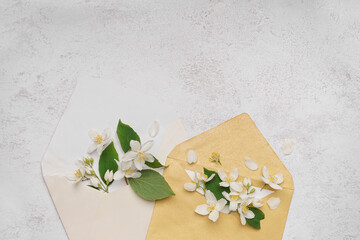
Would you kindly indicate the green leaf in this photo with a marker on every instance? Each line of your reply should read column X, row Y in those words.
column 94, row 187
column 151, row 185
column 255, row 222
column 126, row 134
column 214, row 186
column 155, row 164
column 107, row 161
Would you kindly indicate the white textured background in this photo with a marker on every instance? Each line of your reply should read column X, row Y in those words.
column 294, row 66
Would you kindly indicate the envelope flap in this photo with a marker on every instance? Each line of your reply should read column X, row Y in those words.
column 234, row 140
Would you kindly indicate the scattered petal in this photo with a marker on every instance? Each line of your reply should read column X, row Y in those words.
column 154, row 129
column 251, row 164
column 287, row 147
column 191, row 157
column 273, row 203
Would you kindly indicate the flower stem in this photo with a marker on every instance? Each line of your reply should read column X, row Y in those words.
column 126, row 181
column 263, row 187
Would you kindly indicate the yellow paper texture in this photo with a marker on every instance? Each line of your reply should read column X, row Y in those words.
column 174, row 218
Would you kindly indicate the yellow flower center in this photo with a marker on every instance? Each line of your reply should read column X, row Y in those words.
column 142, row 156
column 204, row 176
column 211, row 206
column 229, row 179
column 129, row 171
column 98, row 138
column 245, row 209
column 234, row 197
column 273, row 178
column 78, row 173
column 214, row 156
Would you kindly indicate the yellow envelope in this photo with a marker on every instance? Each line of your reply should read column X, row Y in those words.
column 174, row 218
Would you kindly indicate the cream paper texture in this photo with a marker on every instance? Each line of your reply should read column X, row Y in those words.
column 85, row 212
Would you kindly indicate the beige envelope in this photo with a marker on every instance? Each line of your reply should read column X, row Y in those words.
column 236, row 139
column 85, row 212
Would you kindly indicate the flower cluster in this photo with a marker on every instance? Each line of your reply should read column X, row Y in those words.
column 130, row 165
column 223, row 192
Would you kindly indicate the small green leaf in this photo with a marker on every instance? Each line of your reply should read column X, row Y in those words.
column 107, row 162
column 255, row 222
column 214, row 186
column 94, row 187
column 155, row 164
column 126, row 134
column 151, row 185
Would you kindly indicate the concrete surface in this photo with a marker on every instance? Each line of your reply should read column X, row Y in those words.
column 294, row 66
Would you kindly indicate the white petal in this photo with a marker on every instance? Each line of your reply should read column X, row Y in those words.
column 226, row 195
column 280, row 178
column 190, row 187
column 147, row 146
column 275, row 186
column 220, row 204
column 200, row 190
column 154, row 129
column 210, row 197
column 211, row 177
column 234, row 174
column 191, row 157
column 118, row 175
column 125, row 165
column 249, row 214
column 214, row 215
column 222, row 175
column 273, row 203
column 265, row 172
column 99, row 148
column 106, row 133
column 93, row 134
column 150, row 158
column 138, row 164
column 92, row 148
column 251, row 164
column 71, row 177
column 202, row 209
column 242, row 218
column 136, row 175
column 265, row 180
column 233, row 206
column 224, row 184
column 135, row 145
column 287, row 147
column 235, row 186
column 130, row 155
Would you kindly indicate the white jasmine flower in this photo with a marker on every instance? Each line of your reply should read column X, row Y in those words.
column 100, row 140
column 245, row 212
column 229, row 180
column 272, row 180
column 233, row 198
column 79, row 172
column 256, row 202
column 109, row 176
column 198, row 183
column 95, row 182
column 191, row 157
column 128, row 173
column 154, row 129
column 138, row 154
column 212, row 206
